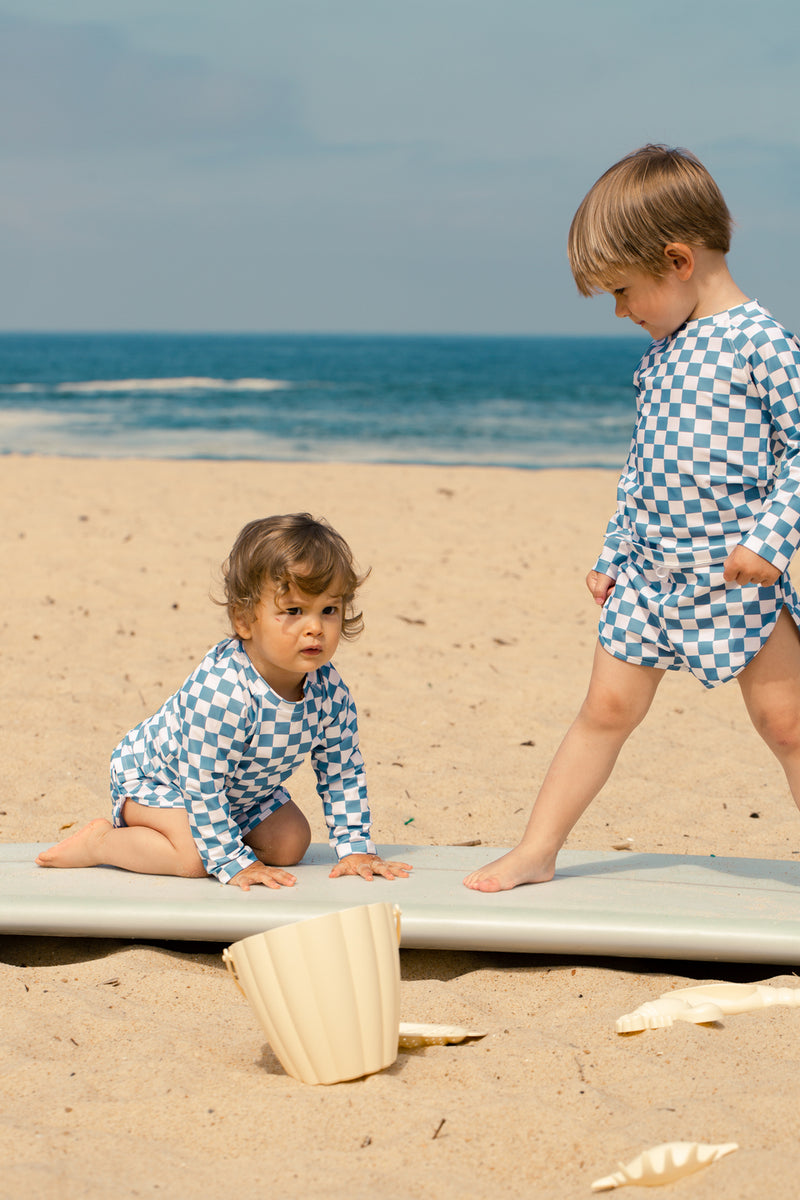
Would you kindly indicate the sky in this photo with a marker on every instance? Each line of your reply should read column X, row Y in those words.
column 369, row 166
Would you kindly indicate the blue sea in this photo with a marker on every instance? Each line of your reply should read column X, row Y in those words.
column 527, row 402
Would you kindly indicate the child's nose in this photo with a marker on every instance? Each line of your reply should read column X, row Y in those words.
column 620, row 307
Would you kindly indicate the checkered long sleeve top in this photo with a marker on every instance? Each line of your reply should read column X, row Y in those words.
column 225, row 742
column 715, row 456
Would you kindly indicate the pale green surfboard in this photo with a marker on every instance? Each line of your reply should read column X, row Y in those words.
column 600, row 903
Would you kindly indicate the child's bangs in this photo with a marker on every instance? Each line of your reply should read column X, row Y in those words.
column 320, row 570
column 608, row 239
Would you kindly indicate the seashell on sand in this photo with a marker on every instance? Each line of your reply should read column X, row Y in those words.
column 739, row 997
column 412, row 1035
column 657, row 1014
column 704, row 1003
column 664, row 1164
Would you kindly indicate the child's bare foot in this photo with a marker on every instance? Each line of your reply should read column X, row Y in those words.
column 516, row 867
column 82, row 849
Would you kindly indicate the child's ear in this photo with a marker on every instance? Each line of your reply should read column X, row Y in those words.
column 242, row 625
column 680, row 258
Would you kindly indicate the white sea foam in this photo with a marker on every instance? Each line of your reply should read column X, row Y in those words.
column 185, row 383
column 11, row 419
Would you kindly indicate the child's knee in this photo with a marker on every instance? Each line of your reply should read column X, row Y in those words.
column 779, row 727
column 611, row 711
column 285, row 856
column 293, row 844
column 288, row 849
column 283, row 838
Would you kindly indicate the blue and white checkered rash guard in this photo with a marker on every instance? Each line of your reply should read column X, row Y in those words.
column 714, row 461
column 224, row 745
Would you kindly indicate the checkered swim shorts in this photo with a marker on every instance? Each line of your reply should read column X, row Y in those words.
column 675, row 619
column 157, row 795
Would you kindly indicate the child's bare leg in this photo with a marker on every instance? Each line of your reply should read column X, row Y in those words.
column 154, row 841
column 618, row 698
column 282, row 838
column 770, row 686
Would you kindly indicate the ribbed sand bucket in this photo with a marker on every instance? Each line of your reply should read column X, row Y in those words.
column 326, row 991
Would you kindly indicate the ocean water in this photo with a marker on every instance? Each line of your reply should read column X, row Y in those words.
column 487, row 401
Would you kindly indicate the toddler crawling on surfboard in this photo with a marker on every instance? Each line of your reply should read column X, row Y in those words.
column 198, row 788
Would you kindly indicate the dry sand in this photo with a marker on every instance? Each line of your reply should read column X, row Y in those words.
column 136, row 1069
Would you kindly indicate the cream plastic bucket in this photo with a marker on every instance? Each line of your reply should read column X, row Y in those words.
column 326, row 991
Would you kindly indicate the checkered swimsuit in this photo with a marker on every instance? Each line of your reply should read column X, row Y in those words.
column 715, row 461
column 223, row 746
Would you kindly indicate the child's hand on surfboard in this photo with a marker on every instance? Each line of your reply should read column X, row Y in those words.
column 271, row 877
column 368, row 865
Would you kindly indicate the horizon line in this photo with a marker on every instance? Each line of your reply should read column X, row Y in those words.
column 621, row 334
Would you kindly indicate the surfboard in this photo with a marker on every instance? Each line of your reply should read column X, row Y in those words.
column 607, row 903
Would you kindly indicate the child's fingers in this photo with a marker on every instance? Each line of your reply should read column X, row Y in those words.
column 271, row 877
column 345, row 866
column 246, row 884
column 392, row 870
column 600, row 586
column 281, row 878
column 744, row 566
column 368, row 867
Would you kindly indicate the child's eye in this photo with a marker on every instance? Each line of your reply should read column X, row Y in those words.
column 330, row 609
column 292, row 611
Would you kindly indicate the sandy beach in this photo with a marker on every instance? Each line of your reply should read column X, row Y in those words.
column 137, row 1069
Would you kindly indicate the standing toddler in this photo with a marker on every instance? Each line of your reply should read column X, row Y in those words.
column 693, row 574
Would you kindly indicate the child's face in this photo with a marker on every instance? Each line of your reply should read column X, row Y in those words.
column 659, row 304
column 289, row 635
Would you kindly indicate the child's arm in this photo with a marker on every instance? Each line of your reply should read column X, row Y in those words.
column 774, row 365
column 216, row 835
column 211, row 740
column 342, row 787
column 616, row 540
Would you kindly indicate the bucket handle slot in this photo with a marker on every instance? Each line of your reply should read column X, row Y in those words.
column 227, row 958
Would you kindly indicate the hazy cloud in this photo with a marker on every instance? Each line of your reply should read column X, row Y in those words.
column 66, row 88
